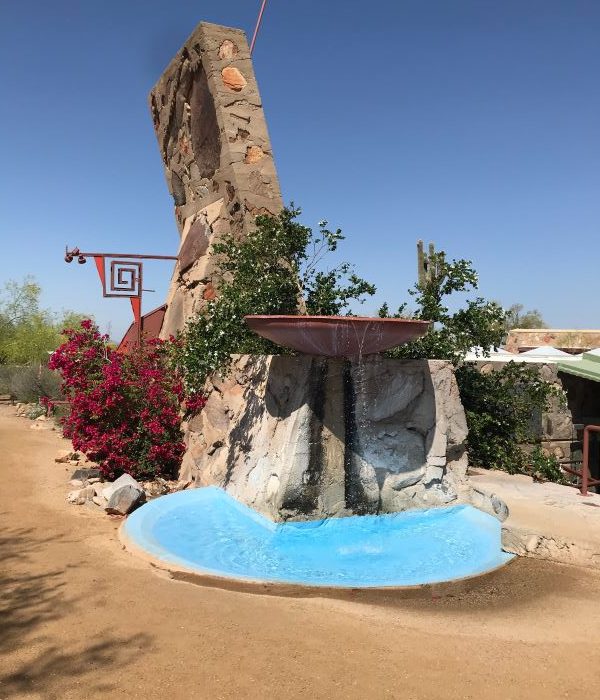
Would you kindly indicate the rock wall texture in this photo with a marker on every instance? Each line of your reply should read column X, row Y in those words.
column 309, row 437
column 213, row 139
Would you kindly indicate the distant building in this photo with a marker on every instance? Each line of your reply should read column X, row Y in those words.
column 571, row 341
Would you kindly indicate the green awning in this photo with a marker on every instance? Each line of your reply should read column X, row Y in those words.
column 588, row 367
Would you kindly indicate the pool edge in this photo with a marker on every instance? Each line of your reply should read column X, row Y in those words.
column 288, row 589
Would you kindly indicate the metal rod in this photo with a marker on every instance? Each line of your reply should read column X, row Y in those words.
column 76, row 252
column 258, row 23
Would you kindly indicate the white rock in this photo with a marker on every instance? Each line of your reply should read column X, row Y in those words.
column 75, row 497
column 123, row 480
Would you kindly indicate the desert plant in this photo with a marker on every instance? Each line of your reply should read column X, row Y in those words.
column 477, row 323
column 124, row 409
column 545, row 467
column 32, row 383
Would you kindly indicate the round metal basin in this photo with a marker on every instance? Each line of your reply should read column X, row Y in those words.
column 337, row 336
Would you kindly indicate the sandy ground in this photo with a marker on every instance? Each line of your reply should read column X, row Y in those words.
column 82, row 618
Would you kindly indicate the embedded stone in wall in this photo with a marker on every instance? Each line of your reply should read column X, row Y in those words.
column 227, row 49
column 307, row 437
column 232, row 78
column 253, row 154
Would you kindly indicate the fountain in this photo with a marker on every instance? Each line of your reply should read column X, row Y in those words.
column 336, row 466
column 337, row 336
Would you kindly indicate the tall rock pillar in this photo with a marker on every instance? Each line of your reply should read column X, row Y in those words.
column 213, row 139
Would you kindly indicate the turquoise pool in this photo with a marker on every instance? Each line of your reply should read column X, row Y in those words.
column 207, row 531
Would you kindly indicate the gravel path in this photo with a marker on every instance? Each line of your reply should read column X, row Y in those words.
column 81, row 618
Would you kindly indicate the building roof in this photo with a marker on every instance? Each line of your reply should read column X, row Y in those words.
column 151, row 324
column 546, row 350
column 588, row 366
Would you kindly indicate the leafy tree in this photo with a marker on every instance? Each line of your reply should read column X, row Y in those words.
column 478, row 323
column 276, row 269
column 499, row 405
column 27, row 331
column 516, row 318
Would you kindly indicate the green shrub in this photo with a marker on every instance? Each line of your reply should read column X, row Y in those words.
column 499, row 406
column 545, row 467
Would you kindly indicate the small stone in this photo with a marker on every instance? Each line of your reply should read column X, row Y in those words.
column 41, row 419
column 63, row 456
column 76, row 498
column 209, row 292
column 500, row 508
column 99, row 501
column 86, row 474
column 125, row 499
column 227, row 49
column 254, row 154
column 76, row 483
column 93, row 480
column 233, row 79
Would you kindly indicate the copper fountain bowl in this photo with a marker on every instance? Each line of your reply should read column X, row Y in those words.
column 337, row 336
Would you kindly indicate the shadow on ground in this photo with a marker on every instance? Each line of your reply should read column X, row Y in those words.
column 31, row 606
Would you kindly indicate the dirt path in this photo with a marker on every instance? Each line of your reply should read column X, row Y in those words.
column 81, row 618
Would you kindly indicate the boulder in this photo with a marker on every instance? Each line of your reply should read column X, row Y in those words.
column 125, row 499
column 123, row 480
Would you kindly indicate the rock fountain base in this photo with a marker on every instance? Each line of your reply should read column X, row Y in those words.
column 310, row 437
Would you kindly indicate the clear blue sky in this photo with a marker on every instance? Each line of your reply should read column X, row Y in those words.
column 474, row 124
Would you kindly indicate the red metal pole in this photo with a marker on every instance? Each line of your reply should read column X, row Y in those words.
column 585, row 459
column 258, row 23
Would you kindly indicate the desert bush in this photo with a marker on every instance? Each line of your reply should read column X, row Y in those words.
column 29, row 383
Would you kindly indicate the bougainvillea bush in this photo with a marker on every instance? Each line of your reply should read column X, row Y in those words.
column 125, row 408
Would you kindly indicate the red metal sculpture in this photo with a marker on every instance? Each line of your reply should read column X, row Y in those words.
column 124, row 279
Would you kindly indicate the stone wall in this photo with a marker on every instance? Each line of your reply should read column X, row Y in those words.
column 308, row 437
column 575, row 341
column 213, row 140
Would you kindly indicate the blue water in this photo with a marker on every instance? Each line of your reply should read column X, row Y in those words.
column 206, row 530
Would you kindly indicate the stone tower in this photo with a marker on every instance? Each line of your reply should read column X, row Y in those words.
column 213, row 139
